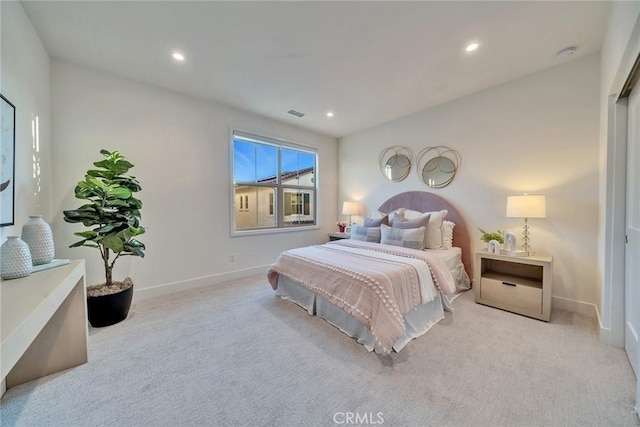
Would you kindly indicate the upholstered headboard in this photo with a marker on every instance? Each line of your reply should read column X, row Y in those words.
column 423, row 201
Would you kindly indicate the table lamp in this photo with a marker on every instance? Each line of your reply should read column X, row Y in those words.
column 526, row 206
column 350, row 208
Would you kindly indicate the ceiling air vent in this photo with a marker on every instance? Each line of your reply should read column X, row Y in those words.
column 295, row 113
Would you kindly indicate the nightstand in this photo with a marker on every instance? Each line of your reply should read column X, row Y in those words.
column 521, row 285
column 338, row 236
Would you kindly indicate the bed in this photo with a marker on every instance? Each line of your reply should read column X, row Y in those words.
column 380, row 294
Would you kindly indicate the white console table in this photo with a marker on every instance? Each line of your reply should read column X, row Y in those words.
column 43, row 324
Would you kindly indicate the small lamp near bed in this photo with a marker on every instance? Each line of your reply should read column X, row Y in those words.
column 350, row 208
column 526, row 206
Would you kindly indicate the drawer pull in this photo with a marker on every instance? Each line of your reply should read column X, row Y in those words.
column 509, row 284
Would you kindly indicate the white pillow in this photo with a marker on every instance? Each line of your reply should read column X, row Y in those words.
column 434, row 228
column 409, row 214
column 405, row 237
column 447, row 234
column 365, row 234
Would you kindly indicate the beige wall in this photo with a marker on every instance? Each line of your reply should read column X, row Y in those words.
column 25, row 82
column 536, row 134
column 181, row 148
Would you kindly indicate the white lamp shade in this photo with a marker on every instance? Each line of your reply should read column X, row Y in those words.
column 350, row 208
column 527, row 206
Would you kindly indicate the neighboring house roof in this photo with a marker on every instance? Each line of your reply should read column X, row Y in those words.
column 288, row 175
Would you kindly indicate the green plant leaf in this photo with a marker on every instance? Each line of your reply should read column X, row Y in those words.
column 109, row 227
column 125, row 234
column 86, row 234
column 83, row 216
column 106, row 174
column 113, row 242
column 136, row 231
column 118, row 192
column 95, row 182
column 118, row 203
column 135, row 248
column 77, row 244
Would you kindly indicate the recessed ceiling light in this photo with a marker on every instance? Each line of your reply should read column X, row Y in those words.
column 178, row 56
column 329, row 114
column 471, row 47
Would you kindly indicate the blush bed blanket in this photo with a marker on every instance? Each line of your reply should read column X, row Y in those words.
column 375, row 283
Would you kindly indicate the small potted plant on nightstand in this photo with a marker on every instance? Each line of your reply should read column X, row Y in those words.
column 112, row 213
column 487, row 236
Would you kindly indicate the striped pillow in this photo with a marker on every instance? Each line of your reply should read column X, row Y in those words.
column 365, row 234
column 406, row 237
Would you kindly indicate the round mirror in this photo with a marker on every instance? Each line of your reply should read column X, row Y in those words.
column 395, row 162
column 397, row 167
column 438, row 172
column 437, row 166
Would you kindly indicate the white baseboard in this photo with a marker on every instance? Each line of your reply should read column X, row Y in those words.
column 580, row 307
column 605, row 333
column 171, row 288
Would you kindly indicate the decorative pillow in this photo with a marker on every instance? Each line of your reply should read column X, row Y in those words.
column 433, row 238
column 365, row 234
column 410, row 214
column 447, row 234
column 406, row 237
column 422, row 221
column 390, row 215
column 375, row 222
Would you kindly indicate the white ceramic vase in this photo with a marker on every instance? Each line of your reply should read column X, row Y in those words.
column 493, row 247
column 37, row 234
column 15, row 259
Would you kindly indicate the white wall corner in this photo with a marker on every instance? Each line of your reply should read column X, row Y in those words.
column 605, row 334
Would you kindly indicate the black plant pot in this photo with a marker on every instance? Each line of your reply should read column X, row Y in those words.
column 108, row 310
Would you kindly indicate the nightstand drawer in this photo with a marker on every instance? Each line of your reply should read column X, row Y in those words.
column 513, row 294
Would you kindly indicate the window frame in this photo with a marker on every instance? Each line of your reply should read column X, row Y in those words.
column 279, row 227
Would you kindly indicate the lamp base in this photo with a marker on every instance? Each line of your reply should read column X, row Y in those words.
column 525, row 237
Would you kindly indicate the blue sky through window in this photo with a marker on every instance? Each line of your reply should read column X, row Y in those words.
column 254, row 161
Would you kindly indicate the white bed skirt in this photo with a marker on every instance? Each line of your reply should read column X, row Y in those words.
column 417, row 321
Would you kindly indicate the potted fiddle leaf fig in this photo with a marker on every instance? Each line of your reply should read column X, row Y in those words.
column 111, row 213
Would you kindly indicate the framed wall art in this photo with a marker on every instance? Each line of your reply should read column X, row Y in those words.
column 7, row 161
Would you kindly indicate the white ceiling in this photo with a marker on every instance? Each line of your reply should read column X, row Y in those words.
column 368, row 62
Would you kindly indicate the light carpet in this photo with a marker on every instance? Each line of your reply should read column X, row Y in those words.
column 234, row 354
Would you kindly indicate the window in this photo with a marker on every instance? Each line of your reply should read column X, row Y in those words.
column 271, row 204
column 296, row 203
column 244, row 203
column 274, row 183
